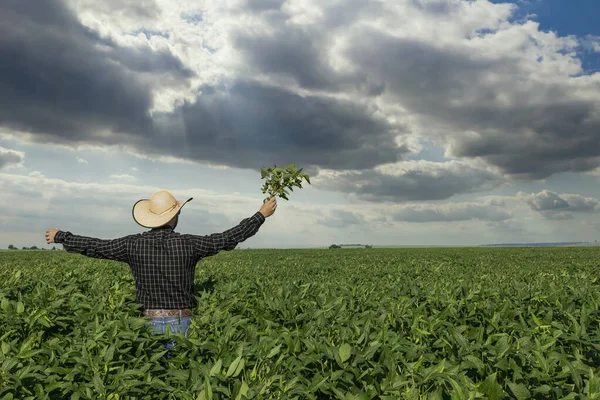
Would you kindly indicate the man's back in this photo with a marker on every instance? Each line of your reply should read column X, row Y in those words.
column 163, row 263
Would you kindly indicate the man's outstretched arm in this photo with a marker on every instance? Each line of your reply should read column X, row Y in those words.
column 115, row 249
column 211, row 244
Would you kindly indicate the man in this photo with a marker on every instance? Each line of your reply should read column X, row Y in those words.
column 163, row 262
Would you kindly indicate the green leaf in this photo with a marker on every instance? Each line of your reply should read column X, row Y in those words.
column 491, row 388
column 108, row 356
column 502, row 346
column 345, row 352
column 98, row 384
column 274, row 351
column 235, row 367
column 20, row 307
column 208, row 393
column 216, row 369
column 181, row 375
column 4, row 304
column 155, row 357
column 243, row 391
column 476, row 361
column 519, row 391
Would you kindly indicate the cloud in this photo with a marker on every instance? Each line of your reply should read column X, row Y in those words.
column 520, row 109
column 545, row 201
column 123, row 178
column 341, row 85
column 37, row 175
column 559, row 207
column 94, row 93
column 421, row 213
column 342, row 219
column 34, row 202
column 410, row 181
column 252, row 124
column 122, row 12
column 81, row 160
column 591, row 43
column 10, row 158
column 503, row 92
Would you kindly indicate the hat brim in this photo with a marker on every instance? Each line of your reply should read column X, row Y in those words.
column 146, row 218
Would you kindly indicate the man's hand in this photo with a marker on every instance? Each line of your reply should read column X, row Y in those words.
column 50, row 233
column 268, row 208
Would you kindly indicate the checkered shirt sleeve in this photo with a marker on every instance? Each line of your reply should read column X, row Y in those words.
column 205, row 246
column 115, row 249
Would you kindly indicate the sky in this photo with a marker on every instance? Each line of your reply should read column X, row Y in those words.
column 420, row 122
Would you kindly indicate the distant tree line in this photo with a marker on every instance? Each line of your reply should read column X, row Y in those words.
column 11, row 247
column 339, row 246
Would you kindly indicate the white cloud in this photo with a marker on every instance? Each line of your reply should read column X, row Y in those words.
column 11, row 158
column 450, row 212
column 559, row 206
column 81, row 160
column 36, row 175
column 123, row 178
column 411, row 180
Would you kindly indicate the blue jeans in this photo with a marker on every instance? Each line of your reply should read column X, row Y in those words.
column 177, row 324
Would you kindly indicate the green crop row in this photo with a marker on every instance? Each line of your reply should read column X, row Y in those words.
column 311, row 324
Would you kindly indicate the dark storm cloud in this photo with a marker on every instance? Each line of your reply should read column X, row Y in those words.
column 71, row 86
column 251, row 124
column 67, row 84
column 58, row 78
column 263, row 5
column 290, row 50
column 450, row 213
column 148, row 9
column 140, row 61
column 465, row 92
column 413, row 181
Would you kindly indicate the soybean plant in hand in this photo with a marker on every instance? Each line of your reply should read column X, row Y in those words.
column 279, row 180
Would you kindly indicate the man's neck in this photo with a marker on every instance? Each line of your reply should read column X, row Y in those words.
column 163, row 227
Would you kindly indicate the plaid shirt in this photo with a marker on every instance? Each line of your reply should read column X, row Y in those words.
column 163, row 262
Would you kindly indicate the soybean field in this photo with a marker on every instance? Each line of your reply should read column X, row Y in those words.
column 441, row 323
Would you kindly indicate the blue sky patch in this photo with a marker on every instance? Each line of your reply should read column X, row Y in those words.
column 580, row 18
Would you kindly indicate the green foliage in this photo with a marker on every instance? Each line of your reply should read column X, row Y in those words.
column 311, row 324
column 279, row 180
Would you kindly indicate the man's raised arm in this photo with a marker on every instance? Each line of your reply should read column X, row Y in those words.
column 205, row 246
column 115, row 249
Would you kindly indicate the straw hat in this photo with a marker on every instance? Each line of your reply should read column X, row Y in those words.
column 158, row 210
